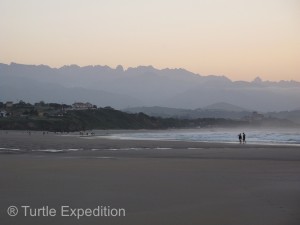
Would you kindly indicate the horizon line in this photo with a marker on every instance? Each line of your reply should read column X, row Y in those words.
column 150, row 66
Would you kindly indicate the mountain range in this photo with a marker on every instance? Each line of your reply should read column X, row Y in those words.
column 141, row 86
column 217, row 110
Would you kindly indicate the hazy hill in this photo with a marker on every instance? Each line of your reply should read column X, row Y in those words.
column 293, row 115
column 223, row 106
column 141, row 86
column 107, row 118
column 218, row 110
column 163, row 112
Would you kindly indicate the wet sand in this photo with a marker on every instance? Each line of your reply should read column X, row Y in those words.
column 157, row 182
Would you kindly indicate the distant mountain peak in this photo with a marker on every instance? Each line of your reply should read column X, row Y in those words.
column 225, row 107
column 120, row 68
column 257, row 80
column 143, row 85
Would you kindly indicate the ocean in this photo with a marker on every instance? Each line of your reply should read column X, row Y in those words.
column 253, row 136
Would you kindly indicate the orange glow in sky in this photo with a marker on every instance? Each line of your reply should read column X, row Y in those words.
column 239, row 39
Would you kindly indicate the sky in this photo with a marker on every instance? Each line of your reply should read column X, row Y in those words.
column 241, row 39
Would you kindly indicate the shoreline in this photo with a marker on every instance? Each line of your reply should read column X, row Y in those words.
column 192, row 141
column 157, row 182
column 109, row 136
column 24, row 142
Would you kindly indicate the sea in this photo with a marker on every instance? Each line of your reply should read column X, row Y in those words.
column 253, row 136
column 275, row 137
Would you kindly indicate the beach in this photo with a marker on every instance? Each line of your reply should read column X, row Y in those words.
column 156, row 182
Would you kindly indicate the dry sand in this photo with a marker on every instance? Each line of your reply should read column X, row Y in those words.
column 157, row 182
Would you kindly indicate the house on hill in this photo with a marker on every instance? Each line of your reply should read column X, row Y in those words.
column 9, row 104
column 3, row 113
column 255, row 116
column 82, row 106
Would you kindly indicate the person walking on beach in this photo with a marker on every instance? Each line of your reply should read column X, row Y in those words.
column 240, row 138
column 244, row 138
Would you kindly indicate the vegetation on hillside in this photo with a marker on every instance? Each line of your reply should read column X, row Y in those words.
column 61, row 117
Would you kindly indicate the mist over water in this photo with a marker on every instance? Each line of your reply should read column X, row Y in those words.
column 253, row 136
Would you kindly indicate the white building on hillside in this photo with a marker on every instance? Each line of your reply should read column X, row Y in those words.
column 3, row 113
column 82, row 106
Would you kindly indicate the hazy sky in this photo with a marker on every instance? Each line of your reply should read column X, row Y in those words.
column 241, row 39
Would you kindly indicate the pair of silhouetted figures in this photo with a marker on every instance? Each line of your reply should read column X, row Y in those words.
column 242, row 138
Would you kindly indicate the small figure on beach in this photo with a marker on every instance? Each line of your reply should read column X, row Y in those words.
column 244, row 138
column 240, row 138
